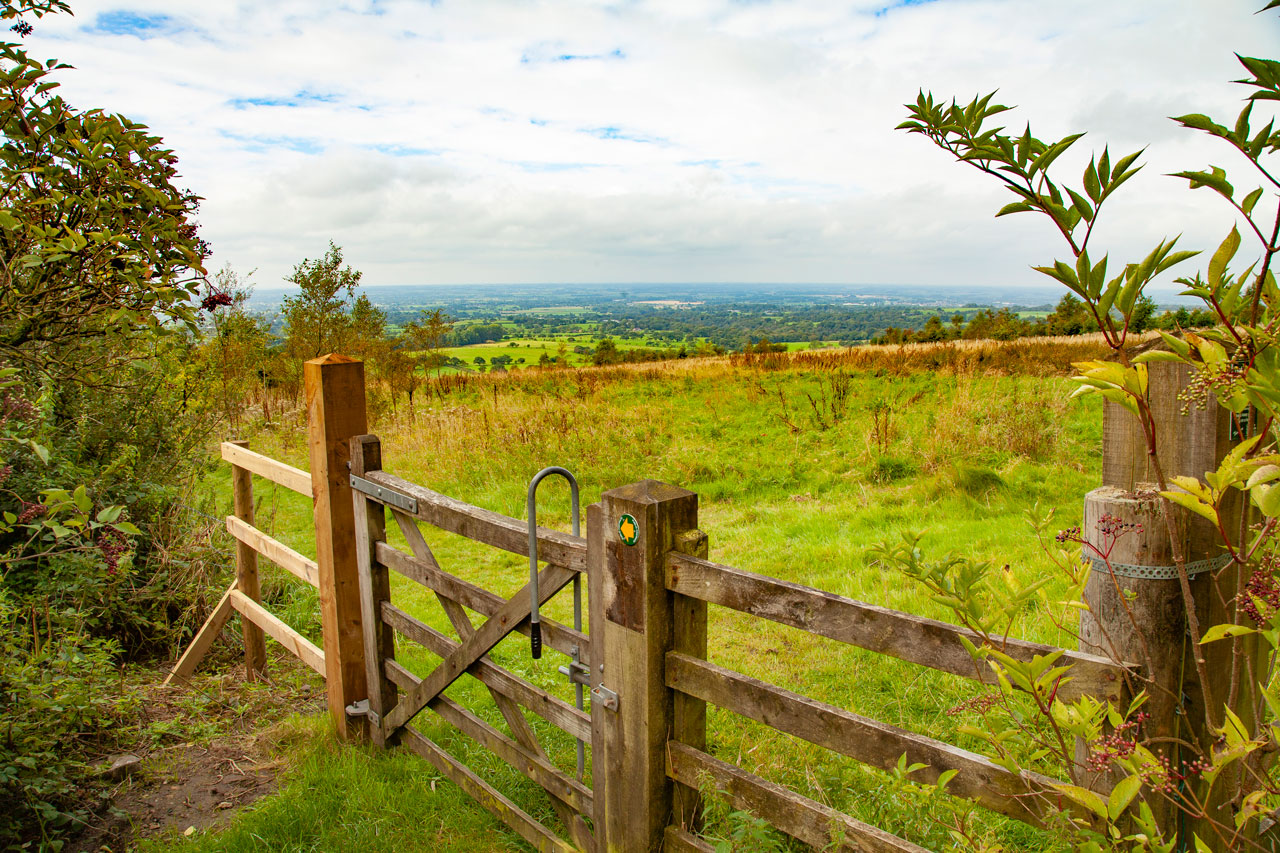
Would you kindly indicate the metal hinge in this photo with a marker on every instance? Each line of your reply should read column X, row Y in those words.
column 361, row 709
column 382, row 493
column 606, row 697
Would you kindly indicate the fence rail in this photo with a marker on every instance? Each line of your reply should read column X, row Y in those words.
column 905, row 636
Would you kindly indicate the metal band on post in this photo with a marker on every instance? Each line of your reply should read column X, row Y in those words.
column 1157, row 573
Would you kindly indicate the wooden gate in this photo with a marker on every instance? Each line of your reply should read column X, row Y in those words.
column 397, row 696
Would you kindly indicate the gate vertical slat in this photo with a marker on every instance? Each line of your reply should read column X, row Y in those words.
column 375, row 585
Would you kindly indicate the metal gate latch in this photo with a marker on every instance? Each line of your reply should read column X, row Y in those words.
column 361, row 709
column 606, row 697
column 578, row 672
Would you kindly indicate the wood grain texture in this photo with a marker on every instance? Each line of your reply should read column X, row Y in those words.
column 535, row 766
column 375, row 586
column 869, row 741
column 298, row 645
column 255, row 650
column 678, row 840
column 556, row 711
column 542, row 839
column 927, row 642
column 555, row 635
column 275, row 551
column 638, row 630
column 551, row 580
column 796, row 815
column 486, row 526
column 335, row 414
column 294, row 479
column 203, row 640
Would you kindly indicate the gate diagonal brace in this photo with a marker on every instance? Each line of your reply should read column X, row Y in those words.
column 551, row 580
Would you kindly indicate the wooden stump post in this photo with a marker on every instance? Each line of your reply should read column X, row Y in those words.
column 637, row 622
column 255, row 648
column 375, row 584
column 1136, row 619
column 336, row 414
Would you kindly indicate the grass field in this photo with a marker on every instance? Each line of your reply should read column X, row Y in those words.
column 791, row 485
column 531, row 349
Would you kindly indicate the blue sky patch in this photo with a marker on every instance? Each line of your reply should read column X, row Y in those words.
column 122, row 22
column 546, row 53
column 901, row 4
column 611, row 132
column 298, row 99
column 263, row 144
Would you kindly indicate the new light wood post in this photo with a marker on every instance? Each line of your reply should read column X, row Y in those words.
column 336, row 414
column 636, row 620
column 255, row 649
column 375, row 584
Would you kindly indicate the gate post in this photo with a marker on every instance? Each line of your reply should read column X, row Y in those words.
column 635, row 617
column 336, row 414
column 375, row 586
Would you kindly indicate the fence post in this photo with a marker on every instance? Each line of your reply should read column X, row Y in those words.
column 629, row 535
column 255, row 648
column 375, row 584
column 336, row 414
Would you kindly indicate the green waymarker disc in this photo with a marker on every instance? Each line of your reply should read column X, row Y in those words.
column 628, row 529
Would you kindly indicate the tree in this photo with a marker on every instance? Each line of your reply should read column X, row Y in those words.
column 96, row 241
column 235, row 345
column 318, row 320
column 1222, row 759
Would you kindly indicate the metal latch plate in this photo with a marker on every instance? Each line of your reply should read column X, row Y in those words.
column 606, row 697
column 382, row 493
column 361, row 709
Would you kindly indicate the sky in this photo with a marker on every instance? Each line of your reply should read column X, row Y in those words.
column 621, row 141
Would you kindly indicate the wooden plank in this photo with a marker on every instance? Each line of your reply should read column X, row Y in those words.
column 336, row 414
column 927, row 642
column 869, row 741
column 203, row 640
column 298, row 645
column 542, row 839
column 375, row 586
column 274, row 550
column 294, row 479
column 570, row 816
column 678, row 840
column 555, row 635
column 255, row 651
column 551, row 580
column 534, row 766
column 559, row 713
column 798, row 816
column 486, row 526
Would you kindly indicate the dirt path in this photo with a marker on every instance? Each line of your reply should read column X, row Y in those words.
column 182, row 784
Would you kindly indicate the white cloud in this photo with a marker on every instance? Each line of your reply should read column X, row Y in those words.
column 654, row 140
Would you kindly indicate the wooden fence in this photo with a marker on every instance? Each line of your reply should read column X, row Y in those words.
column 645, row 658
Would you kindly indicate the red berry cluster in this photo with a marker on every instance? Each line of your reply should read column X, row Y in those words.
column 5, row 472
column 1071, row 534
column 1208, row 379
column 215, row 300
column 112, row 544
column 979, row 704
column 1262, row 590
column 22, row 28
column 1112, row 527
column 31, row 511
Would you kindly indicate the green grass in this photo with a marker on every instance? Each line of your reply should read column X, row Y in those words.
column 788, row 487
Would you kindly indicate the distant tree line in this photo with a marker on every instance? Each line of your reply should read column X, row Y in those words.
column 1069, row 317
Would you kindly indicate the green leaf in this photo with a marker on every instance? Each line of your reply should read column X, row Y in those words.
column 1084, row 797
column 1122, row 795
column 127, row 527
column 1250, row 200
column 1194, row 504
column 1221, row 632
column 1222, row 257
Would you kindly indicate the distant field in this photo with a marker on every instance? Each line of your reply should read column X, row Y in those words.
column 531, row 349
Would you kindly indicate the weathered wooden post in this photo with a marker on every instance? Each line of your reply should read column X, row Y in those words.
column 255, row 648
column 336, row 414
column 1137, row 611
column 375, row 584
column 638, row 621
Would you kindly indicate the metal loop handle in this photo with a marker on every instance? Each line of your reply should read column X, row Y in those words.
column 531, row 509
